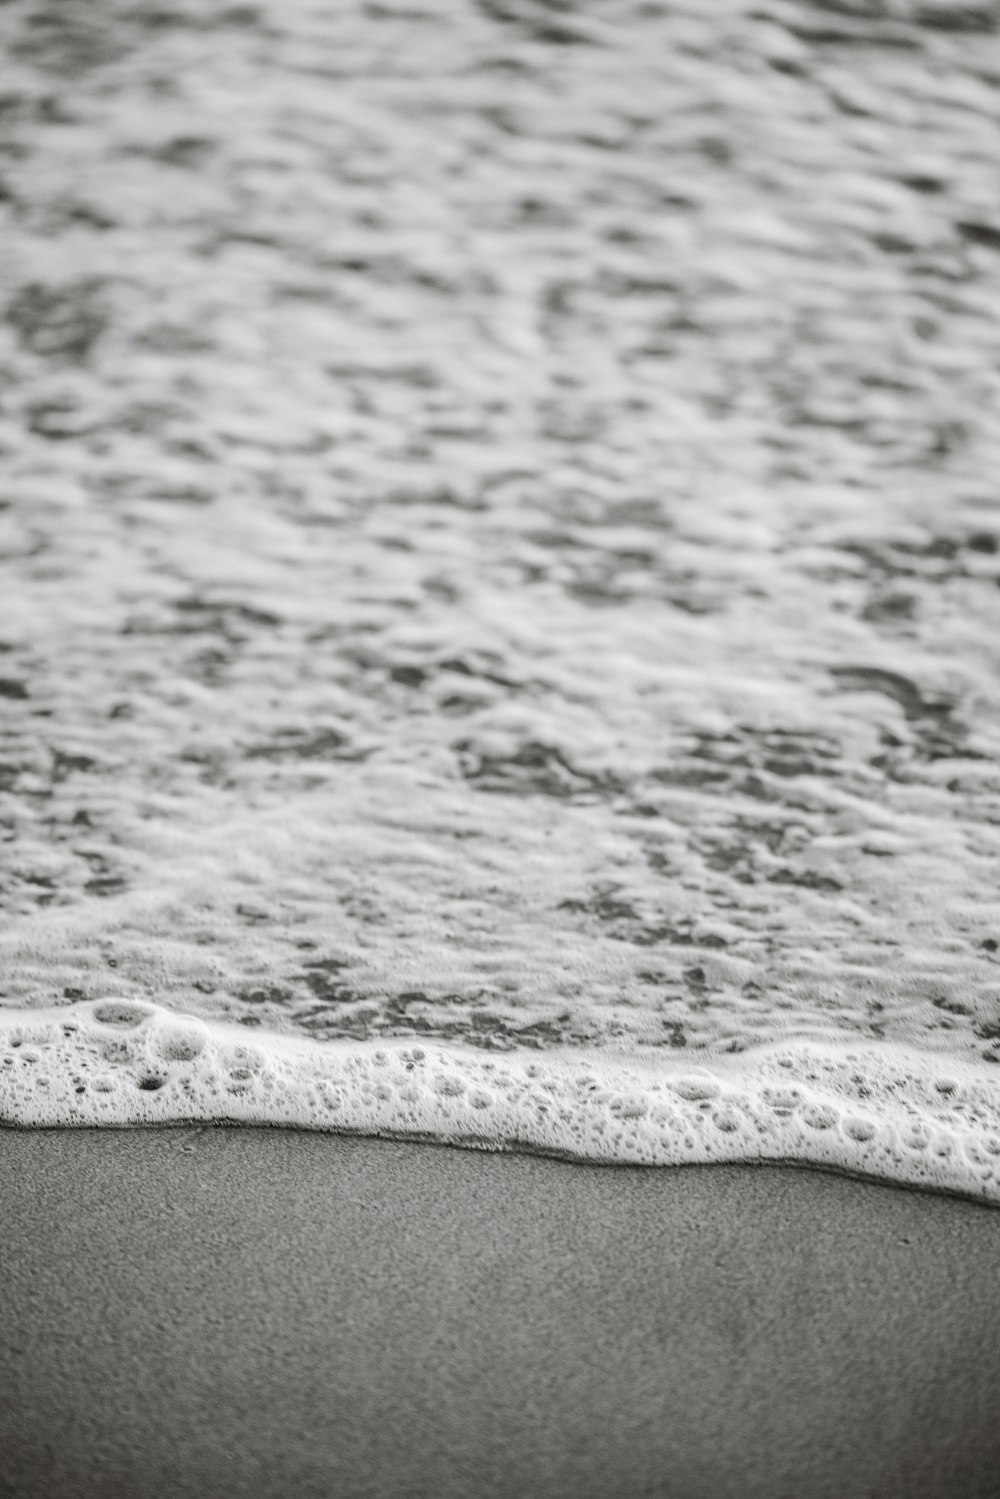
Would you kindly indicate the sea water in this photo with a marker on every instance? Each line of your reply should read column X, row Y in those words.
column 500, row 623
column 880, row 1111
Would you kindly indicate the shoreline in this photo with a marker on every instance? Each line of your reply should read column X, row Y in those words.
column 875, row 1112
column 277, row 1312
column 479, row 1145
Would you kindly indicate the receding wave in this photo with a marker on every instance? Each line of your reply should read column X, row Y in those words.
column 875, row 1110
column 499, row 614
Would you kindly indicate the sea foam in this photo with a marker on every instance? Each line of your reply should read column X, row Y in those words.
column 871, row 1110
column 530, row 583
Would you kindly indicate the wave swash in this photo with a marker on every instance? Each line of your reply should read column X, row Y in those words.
column 499, row 562
column 869, row 1111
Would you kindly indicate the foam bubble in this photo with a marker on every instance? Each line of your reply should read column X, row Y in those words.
column 879, row 1110
column 122, row 1015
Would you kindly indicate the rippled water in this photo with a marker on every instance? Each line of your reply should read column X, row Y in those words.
column 501, row 555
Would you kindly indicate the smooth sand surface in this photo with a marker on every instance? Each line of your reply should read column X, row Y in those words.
column 240, row 1312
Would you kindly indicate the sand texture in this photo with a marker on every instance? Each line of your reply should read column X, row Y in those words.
column 292, row 1316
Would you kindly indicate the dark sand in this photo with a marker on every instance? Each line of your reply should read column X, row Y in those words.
column 238, row 1312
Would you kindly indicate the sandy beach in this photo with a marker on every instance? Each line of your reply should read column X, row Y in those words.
column 499, row 559
column 227, row 1312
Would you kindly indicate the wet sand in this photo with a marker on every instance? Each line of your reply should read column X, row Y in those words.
column 235, row 1312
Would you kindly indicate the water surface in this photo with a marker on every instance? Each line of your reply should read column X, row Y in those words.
column 501, row 555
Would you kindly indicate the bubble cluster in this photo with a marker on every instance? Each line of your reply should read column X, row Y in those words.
column 878, row 1111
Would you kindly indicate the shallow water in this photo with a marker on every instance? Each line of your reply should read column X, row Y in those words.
column 501, row 557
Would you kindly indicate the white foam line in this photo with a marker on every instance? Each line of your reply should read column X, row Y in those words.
column 870, row 1109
